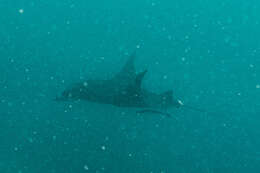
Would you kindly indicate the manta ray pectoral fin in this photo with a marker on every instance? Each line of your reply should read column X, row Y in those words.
column 128, row 70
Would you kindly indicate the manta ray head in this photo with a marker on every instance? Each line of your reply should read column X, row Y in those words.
column 73, row 93
column 66, row 96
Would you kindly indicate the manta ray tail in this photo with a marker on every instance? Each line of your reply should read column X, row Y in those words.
column 196, row 109
column 152, row 111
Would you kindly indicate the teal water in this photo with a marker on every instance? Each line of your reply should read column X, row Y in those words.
column 206, row 51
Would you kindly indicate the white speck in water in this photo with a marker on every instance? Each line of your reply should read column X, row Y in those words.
column 165, row 77
column 30, row 140
column 86, row 167
column 15, row 148
column 103, row 147
column 10, row 104
column 21, row 11
column 85, row 84
column 54, row 138
column 183, row 59
column 251, row 65
column 163, row 29
column 239, row 94
column 138, row 46
column 257, row 86
column 180, row 102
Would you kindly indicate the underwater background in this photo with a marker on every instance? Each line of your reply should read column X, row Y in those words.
column 207, row 51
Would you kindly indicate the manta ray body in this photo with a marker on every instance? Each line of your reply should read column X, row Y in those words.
column 124, row 89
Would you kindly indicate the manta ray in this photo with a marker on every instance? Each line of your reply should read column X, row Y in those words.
column 124, row 89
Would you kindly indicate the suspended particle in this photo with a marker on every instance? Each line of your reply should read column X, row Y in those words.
column 165, row 77
column 85, row 84
column 103, row 147
column 21, row 11
column 86, row 167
